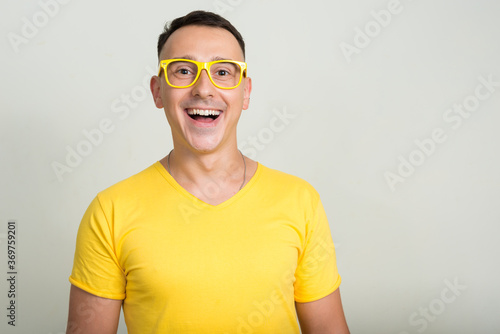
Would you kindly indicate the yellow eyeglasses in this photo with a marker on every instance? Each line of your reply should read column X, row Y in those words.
column 183, row 73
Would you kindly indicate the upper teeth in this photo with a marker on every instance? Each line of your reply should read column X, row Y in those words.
column 203, row 112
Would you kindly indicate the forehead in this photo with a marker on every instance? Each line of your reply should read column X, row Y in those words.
column 202, row 43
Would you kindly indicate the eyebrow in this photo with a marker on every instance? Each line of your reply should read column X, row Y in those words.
column 193, row 58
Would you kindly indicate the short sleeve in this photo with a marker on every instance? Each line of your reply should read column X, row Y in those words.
column 96, row 267
column 316, row 275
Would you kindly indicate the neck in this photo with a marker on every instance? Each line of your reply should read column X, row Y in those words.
column 195, row 171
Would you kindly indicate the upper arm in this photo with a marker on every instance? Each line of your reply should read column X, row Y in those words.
column 325, row 315
column 92, row 314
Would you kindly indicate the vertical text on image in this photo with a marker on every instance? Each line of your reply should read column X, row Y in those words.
column 12, row 272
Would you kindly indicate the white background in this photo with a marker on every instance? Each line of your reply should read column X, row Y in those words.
column 355, row 117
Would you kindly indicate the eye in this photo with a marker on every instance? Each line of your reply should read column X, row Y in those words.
column 181, row 69
column 222, row 73
column 225, row 70
column 184, row 71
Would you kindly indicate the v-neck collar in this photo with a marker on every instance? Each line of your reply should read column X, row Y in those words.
column 161, row 169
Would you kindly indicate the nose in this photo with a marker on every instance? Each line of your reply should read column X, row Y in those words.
column 203, row 87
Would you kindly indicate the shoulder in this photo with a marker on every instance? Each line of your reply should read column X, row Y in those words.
column 140, row 183
column 276, row 176
column 287, row 183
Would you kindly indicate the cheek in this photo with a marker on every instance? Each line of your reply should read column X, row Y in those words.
column 171, row 99
column 234, row 98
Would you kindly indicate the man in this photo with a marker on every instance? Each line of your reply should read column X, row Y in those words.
column 206, row 240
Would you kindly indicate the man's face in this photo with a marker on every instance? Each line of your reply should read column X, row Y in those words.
column 198, row 133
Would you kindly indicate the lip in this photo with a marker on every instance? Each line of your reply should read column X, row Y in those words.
column 199, row 124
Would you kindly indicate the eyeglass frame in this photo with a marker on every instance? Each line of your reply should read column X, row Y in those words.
column 203, row 66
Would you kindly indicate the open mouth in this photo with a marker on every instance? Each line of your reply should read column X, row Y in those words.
column 203, row 115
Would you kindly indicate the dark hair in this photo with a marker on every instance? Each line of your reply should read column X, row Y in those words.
column 199, row 18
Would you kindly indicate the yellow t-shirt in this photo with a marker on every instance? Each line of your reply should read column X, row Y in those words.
column 184, row 266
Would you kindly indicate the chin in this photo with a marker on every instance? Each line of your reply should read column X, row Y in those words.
column 205, row 146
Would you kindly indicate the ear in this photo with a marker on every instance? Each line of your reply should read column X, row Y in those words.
column 246, row 93
column 155, row 90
